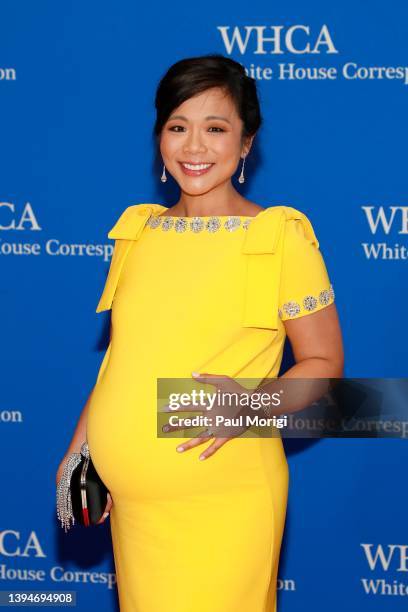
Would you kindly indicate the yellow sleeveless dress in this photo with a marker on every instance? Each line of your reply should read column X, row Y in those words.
column 204, row 294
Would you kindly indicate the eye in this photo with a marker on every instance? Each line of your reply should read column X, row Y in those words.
column 218, row 129
column 173, row 128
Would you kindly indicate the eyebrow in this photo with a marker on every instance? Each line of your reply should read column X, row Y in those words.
column 208, row 118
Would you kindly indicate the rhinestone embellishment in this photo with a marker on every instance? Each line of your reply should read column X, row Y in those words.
column 291, row 308
column 309, row 303
column 180, row 225
column 324, row 297
column 197, row 225
column 154, row 221
column 213, row 224
column 168, row 223
column 232, row 223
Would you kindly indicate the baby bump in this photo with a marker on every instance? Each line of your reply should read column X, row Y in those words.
column 135, row 463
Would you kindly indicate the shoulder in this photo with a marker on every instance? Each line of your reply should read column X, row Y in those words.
column 297, row 225
column 133, row 218
column 135, row 210
column 277, row 227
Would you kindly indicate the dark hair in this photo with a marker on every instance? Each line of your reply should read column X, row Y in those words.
column 193, row 75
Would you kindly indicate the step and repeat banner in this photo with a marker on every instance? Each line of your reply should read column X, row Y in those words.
column 77, row 85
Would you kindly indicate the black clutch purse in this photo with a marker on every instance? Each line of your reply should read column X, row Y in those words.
column 81, row 494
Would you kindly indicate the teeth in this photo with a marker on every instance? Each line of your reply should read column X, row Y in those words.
column 197, row 166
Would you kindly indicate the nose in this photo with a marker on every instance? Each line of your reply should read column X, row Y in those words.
column 194, row 142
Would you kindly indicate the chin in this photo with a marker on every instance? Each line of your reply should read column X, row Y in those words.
column 195, row 190
column 195, row 186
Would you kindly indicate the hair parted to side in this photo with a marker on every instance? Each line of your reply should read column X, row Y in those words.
column 194, row 75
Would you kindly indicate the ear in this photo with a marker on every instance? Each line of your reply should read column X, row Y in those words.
column 246, row 145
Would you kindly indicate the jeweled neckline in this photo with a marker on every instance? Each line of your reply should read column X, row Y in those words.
column 198, row 224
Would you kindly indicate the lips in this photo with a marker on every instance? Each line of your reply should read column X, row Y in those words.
column 195, row 169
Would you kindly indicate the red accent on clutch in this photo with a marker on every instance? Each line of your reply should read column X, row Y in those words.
column 85, row 516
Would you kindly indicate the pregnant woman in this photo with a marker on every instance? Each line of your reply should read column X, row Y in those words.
column 212, row 285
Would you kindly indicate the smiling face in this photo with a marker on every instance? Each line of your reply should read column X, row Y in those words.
column 201, row 143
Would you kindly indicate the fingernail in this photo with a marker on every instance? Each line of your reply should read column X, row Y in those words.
column 180, row 449
column 166, row 428
column 202, row 457
column 195, row 373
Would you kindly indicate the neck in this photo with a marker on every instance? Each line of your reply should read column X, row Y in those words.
column 222, row 200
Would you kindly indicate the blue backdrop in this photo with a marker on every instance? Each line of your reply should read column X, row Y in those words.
column 77, row 83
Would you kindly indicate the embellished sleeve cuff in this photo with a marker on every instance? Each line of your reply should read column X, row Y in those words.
column 307, row 304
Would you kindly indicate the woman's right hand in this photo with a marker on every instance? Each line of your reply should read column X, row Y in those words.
column 109, row 502
column 75, row 449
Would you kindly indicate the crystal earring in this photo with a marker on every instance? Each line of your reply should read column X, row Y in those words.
column 163, row 177
column 241, row 176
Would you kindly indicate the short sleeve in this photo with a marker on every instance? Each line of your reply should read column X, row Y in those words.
column 305, row 286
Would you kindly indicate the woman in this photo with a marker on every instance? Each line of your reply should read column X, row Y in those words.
column 212, row 285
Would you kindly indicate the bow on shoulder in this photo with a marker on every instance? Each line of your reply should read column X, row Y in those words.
column 128, row 228
column 264, row 246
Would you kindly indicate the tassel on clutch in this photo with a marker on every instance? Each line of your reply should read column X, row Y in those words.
column 81, row 494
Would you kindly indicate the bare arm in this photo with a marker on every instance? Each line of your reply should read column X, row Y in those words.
column 79, row 435
column 318, row 351
column 78, row 438
column 317, row 345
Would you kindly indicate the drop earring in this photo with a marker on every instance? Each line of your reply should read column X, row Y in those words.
column 241, row 176
column 163, row 177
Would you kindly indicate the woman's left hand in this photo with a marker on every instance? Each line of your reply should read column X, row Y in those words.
column 108, row 508
column 223, row 384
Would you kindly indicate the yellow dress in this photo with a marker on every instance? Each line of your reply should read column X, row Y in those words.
column 205, row 294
